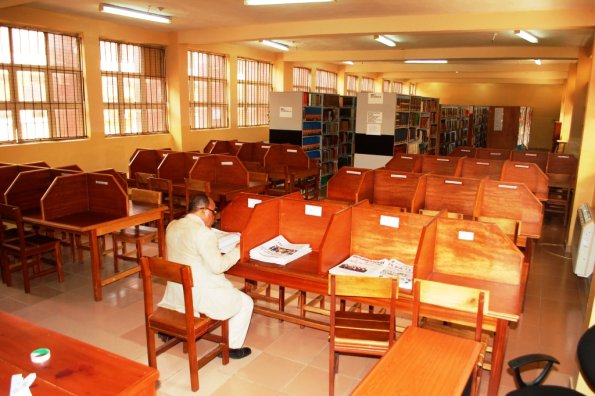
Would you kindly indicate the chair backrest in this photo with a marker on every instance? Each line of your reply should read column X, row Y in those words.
column 194, row 186
column 140, row 195
column 142, row 179
column 462, row 301
column 155, row 267
column 12, row 214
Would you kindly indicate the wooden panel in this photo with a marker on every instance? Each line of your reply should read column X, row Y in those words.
column 236, row 214
column 405, row 163
column 395, row 188
column 441, row 165
column 230, row 170
column 146, row 161
column 455, row 194
column 120, row 179
column 280, row 155
column 492, row 153
column 462, row 151
column 336, row 242
column 507, row 137
column 527, row 173
column 537, row 157
column 262, row 226
column 106, row 195
column 27, row 189
column 480, row 168
column 351, row 185
column 562, row 163
column 65, row 196
column 252, row 155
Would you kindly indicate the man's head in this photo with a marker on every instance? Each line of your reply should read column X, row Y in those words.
column 204, row 207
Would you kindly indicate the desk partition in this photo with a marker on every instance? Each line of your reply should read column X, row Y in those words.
column 221, row 147
column 176, row 166
column 441, row 165
column 220, row 169
column 351, row 185
column 394, row 188
column 462, row 151
column 528, row 173
column 146, row 161
column 492, row 153
column 454, row 194
column 480, row 168
column 537, row 157
column 405, row 163
column 8, row 173
column 252, row 155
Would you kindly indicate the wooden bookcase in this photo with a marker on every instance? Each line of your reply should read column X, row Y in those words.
column 329, row 162
column 462, row 126
column 346, row 130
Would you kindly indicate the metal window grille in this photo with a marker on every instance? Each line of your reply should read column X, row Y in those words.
column 351, row 83
column 386, row 86
column 255, row 81
column 326, row 81
column 41, row 86
column 397, row 87
column 367, row 84
column 412, row 89
column 207, row 88
column 301, row 79
column 134, row 89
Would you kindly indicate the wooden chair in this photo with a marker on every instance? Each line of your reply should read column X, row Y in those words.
column 360, row 333
column 26, row 248
column 183, row 327
column 141, row 179
column 136, row 235
column 165, row 186
column 461, row 302
column 194, row 186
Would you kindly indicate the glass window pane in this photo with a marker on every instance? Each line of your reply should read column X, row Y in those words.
column 34, row 124
column 65, row 87
column 131, row 90
column 67, row 123
column 110, row 89
column 133, row 121
column 28, row 47
column 4, row 45
column 155, row 120
column 111, row 122
column 4, row 86
column 154, row 90
column 6, row 126
column 109, row 55
column 63, row 51
column 31, row 86
column 130, row 58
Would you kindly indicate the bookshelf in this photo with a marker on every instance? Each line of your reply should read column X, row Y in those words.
column 480, row 126
column 346, row 130
column 330, row 137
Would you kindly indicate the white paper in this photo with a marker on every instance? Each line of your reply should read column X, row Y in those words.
column 374, row 117
column 383, row 268
column 452, row 182
column 375, row 98
column 313, row 210
column 285, row 112
column 522, row 166
column 443, row 159
column 350, row 172
column 226, row 240
column 19, row 386
column 279, row 251
column 389, row 221
column 291, row 150
column 466, row 235
column 507, row 186
column 373, row 129
column 395, row 176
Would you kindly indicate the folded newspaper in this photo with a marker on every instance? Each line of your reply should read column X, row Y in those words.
column 279, row 251
column 227, row 240
column 361, row 266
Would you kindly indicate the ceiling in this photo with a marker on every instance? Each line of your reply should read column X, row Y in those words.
column 475, row 36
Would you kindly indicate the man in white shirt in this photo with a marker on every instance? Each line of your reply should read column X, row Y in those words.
column 191, row 241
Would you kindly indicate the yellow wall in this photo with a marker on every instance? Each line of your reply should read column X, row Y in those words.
column 545, row 100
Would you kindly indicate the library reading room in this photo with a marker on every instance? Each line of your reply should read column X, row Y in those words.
column 297, row 197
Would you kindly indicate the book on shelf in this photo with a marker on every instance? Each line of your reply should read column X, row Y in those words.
column 226, row 240
column 391, row 268
column 279, row 251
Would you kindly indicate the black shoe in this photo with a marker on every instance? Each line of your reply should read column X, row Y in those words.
column 238, row 353
column 164, row 337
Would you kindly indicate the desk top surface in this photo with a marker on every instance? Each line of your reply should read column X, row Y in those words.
column 74, row 367
column 422, row 362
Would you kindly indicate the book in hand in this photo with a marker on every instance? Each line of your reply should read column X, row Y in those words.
column 279, row 251
column 227, row 240
column 362, row 266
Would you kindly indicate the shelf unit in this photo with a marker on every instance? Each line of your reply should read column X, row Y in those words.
column 346, row 130
column 329, row 161
column 480, row 126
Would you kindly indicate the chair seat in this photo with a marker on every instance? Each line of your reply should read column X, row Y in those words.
column 33, row 243
column 174, row 323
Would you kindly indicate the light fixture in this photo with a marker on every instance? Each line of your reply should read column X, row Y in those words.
column 434, row 61
column 537, row 62
column 128, row 12
column 347, row 62
column 275, row 44
column 526, row 36
column 273, row 2
column 385, row 40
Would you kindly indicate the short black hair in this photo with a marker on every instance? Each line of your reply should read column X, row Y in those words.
column 198, row 201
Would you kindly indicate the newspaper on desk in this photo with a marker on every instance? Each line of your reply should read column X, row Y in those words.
column 279, row 251
column 362, row 266
column 226, row 240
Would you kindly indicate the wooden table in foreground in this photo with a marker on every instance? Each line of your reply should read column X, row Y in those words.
column 422, row 362
column 74, row 368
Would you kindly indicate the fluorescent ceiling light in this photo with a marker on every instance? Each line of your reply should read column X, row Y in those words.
column 128, row 12
column 426, row 61
column 273, row 2
column 537, row 61
column 275, row 44
column 385, row 40
column 347, row 62
column 527, row 36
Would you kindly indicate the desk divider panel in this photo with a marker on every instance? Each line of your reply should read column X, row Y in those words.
column 394, row 188
column 351, row 184
column 220, row 147
column 405, row 163
column 252, row 155
column 291, row 155
column 235, row 147
column 120, row 178
column 463, row 152
column 455, row 194
column 480, row 168
column 528, row 173
column 492, row 153
column 537, row 157
column 218, row 168
column 262, row 226
column 511, row 201
column 28, row 187
column 147, row 161
column 41, row 164
column 8, row 173
column 106, row 195
column 176, row 166
column 66, row 195
column 476, row 250
column 236, row 214
column 424, row 260
column 562, row 164
column 441, row 165
column 72, row 167
column 336, row 241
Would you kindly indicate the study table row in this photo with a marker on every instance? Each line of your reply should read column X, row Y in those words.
column 454, row 251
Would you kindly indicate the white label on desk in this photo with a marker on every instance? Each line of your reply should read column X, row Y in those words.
column 564, row 156
column 104, row 183
column 466, row 235
column 452, row 182
column 353, row 172
column 443, row 159
column 396, row 176
column 265, row 147
column 239, row 144
column 497, row 154
column 65, row 174
column 482, row 163
column 465, row 151
column 291, row 150
column 164, row 155
column 522, row 166
column 226, row 163
column 507, row 186
column 252, row 202
column 530, row 155
column 313, row 210
column 285, row 112
column 389, row 221
column 409, row 158
column 195, row 157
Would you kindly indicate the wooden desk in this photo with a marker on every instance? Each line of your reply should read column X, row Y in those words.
column 480, row 168
column 394, row 188
column 74, row 368
column 463, row 152
column 537, row 157
column 290, row 163
column 404, row 163
column 351, row 185
column 252, row 155
column 454, row 194
column 527, row 173
column 492, row 153
column 441, row 165
column 422, row 362
column 94, row 204
column 176, row 167
column 146, row 161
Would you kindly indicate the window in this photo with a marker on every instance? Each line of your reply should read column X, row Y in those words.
column 326, row 82
column 397, row 87
column 41, row 86
column 412, row 88
column 367, row 84
column 207, row 88
column 134, row 90
column 386, row 86
column 255, row 81
column 351, row 85
column 301, row 79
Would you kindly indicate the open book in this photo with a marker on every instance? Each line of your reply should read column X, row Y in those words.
column 279, row 251
column 361, row 266
column 227, row 240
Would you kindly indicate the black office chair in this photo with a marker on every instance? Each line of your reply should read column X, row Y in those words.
column 585, row 352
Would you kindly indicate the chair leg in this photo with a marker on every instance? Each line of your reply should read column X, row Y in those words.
column 59, row 263
column 193, row 362
column 225, row 341
column 25, row 269
column 331, row 371
column 151, row 348
column 115, row 249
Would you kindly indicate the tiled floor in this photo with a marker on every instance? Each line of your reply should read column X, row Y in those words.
column 286, row 359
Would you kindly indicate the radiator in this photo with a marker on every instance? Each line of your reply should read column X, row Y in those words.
column 583, row 251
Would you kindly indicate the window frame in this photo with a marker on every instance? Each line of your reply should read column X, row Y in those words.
column 253, row 113
column 326, row 81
